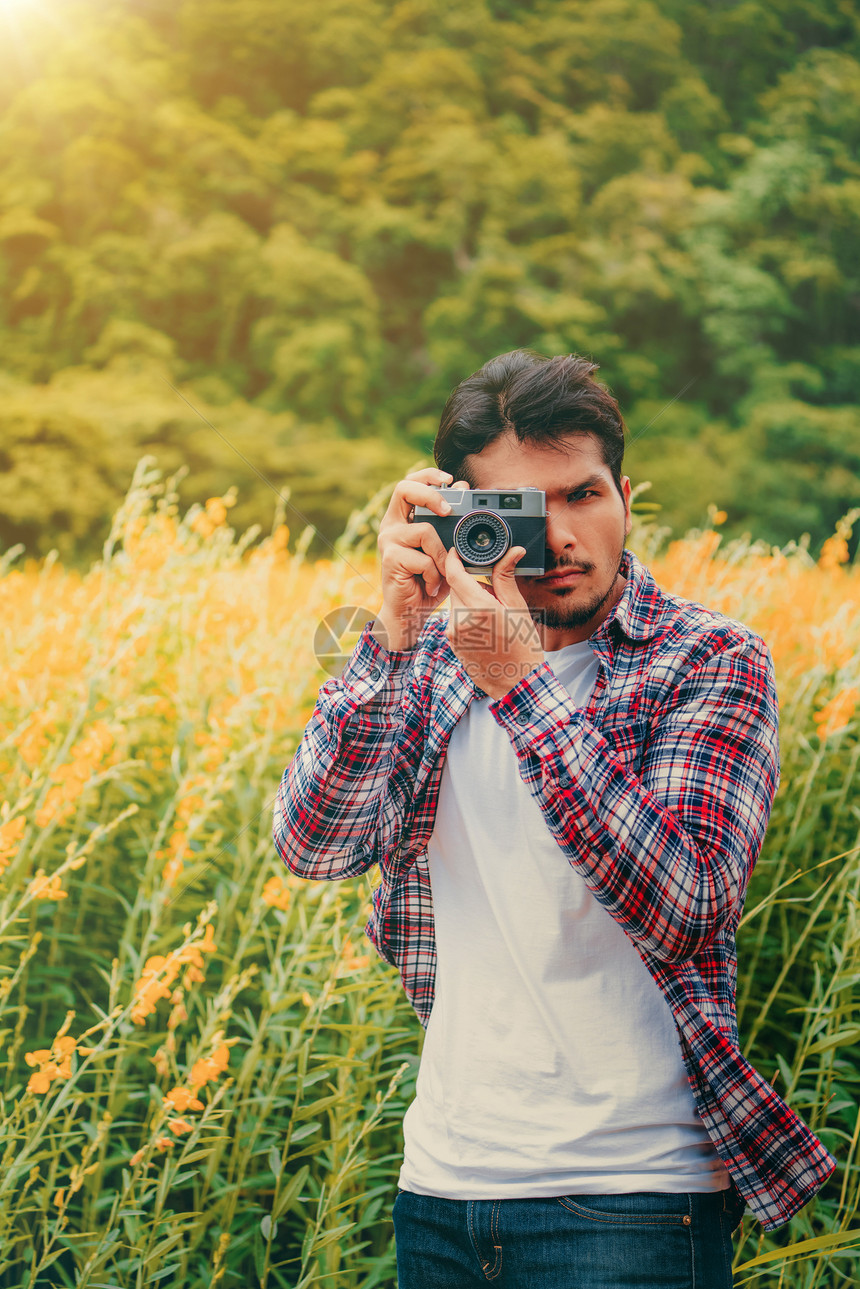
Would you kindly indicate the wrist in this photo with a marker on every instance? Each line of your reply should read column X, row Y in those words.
column 394, row 637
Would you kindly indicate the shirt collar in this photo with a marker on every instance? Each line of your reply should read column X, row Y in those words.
column 637, row 613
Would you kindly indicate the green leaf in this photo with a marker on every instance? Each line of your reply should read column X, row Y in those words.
column 288, row 1196
column 259, row 1252
column 306, row 1130
column 846, row 1037
column 329, row 1237
column 847, row 1239
column 316, row 1107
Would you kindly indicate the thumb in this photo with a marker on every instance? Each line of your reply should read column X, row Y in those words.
column 504, row 577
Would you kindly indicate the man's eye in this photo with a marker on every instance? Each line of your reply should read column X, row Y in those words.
column 583, row 492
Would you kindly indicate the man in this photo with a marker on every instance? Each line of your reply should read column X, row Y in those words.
column 565, row 782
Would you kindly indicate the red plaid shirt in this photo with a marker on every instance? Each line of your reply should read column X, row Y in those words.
column 658, row 793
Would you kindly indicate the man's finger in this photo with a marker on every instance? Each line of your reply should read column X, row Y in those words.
column 468, row 590
column 502, row 588
column 504, row 578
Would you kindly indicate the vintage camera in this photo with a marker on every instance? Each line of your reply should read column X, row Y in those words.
column 484, row 523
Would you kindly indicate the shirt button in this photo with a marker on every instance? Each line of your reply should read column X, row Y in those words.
column 522, row 718
column 565, row 780
column 375, row 673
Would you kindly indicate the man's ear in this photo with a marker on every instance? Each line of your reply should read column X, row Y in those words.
column 628, row 517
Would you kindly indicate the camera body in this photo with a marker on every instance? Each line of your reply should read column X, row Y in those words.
column 484, row 523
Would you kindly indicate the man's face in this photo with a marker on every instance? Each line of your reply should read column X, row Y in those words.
column 586, row 525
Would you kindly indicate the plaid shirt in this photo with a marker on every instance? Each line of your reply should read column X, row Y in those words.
column 658, row 793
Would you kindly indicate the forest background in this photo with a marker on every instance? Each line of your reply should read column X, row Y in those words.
column 265, row 239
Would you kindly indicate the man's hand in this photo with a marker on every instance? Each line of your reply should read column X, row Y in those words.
column 412, row 558
column 491, row 630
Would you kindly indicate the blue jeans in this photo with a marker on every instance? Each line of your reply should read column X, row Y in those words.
column 650, row 1240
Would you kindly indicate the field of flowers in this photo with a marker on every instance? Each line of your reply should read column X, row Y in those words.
column 204, row 1065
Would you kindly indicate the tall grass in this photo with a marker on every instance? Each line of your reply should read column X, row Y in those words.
column 204, row 1064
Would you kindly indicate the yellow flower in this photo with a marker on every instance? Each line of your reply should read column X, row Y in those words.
column 189, row 805
column 64, row 1048
column 132, row 532
column 182, row 1099
column 172, row 869
column 39, row 1057
column 192, row 956
column 54, row 1062
column 202, row 525
column 210, row 1068
column 179, row 1126
column 149, row 988
column 276, row 893
column 350, row 960
column 46, row 888
column 833, row 552
column 161, row 1061
column 835, row 715
column 32, row 743
column 11, row 834
column 216, row 510
column 70, row 779
column 43, row 1078
column 179, row 1012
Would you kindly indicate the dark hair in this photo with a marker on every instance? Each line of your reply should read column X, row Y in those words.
column 542, row 400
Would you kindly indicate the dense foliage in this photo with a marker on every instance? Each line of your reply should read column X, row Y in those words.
column 303, row 223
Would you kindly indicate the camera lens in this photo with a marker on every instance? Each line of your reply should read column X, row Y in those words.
column 481, row 538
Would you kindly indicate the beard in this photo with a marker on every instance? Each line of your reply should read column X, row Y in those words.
column 569, row 616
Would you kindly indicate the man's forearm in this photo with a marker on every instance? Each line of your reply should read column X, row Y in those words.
column 347, row 784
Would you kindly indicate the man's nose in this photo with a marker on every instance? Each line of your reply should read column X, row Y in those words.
column 560, row 533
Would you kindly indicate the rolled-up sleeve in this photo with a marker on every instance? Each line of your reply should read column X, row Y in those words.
column 343, row 796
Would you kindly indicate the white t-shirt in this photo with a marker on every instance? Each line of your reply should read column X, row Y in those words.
column 551, row 1062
